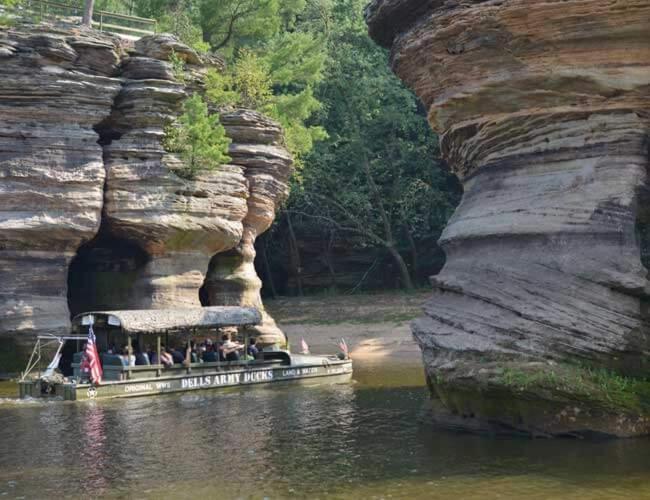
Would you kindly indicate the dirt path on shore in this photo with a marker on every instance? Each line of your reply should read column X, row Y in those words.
column 375, row 327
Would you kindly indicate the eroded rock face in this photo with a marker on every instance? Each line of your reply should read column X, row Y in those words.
column 82, row 166
column 179, row 222
column 257, row 149
column 544, row 114
column 55, row 85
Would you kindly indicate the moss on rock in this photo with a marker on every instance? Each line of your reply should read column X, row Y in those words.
column 546, row 398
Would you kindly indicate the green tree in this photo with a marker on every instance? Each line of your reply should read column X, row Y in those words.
column 274, row 65
column 375, row 178
column 232, row 23
column 367, row 157
column 7, row 20
column 260, row 81
column 198, row 137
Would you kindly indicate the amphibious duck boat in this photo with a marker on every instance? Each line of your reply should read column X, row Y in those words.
column 151, row 328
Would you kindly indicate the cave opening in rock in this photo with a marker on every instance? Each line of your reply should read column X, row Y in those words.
column 102, row 274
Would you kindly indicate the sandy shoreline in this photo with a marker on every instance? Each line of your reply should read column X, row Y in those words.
column 375, row 343
column 375, row 326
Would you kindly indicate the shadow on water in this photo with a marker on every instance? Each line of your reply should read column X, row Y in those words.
column 368, row 439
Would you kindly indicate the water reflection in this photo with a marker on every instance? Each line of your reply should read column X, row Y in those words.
column 361, row 440
column 94, row 451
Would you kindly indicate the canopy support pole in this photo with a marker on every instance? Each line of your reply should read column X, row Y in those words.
column 129, row 350
column 158, row 372
column 188, row 355
column 36, row 353
column 218, row 344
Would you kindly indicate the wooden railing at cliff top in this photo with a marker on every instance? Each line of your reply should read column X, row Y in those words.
column 121, row 24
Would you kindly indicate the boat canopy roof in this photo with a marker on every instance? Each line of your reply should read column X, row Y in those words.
column 154, row 321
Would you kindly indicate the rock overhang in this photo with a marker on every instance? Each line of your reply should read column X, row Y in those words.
column 83, row 165
column 470, row 60
column 543, row 110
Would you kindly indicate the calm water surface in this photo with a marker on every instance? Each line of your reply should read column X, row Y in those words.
column 368, row 439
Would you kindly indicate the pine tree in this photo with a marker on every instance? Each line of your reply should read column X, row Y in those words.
column 198, row 137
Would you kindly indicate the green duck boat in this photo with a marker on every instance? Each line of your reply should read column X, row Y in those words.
column 142, row 333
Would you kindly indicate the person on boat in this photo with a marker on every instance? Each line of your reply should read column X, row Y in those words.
column 252, row 349
column 201, row 350
column 127, row 359
column 141, row 358
column 177, row 355
column 231, row 349
column 210, row 355
column 165, row 358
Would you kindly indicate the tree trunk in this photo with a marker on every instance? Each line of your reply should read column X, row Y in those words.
column 269, row 274
column 294, row 254
column 328, row 260
column 403, row 268
column 88, row 13
column 414, row 253
column 407, row 283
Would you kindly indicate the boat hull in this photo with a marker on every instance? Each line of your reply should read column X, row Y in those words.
column 339, row 371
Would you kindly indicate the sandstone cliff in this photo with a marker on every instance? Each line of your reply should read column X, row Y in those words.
column 89, row 196
column 257, row 149
column 543, row 110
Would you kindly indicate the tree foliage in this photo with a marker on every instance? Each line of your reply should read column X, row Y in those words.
column 274, row 63
column 6, row 20
column 198, row 137
column 259, row 80
column 368, row 169
column 375, row 180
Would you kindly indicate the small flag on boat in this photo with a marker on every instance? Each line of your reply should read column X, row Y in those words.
column 90, row 364
column 344, row 347
column 303, row 346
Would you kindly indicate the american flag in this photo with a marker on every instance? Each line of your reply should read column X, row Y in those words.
column 90, row 364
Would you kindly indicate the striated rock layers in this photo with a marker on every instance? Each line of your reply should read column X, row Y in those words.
column 53, row 89
column 257, row 149
column 543, row 110
column 89, row 197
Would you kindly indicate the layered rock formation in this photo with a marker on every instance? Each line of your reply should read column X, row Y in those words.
column 257, row 149
column 543, row 109
column 54, row 88
column 180, row 223
column 84, row 173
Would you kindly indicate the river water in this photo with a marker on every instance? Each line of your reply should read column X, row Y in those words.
column 368, row 439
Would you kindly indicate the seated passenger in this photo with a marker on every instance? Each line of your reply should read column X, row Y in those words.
column 252, row 349
column 166, row 358
column 210, row 355
column 230, row 348
column 141, row 358
column 219, row 349
column 127, row 359
column 177, row 356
